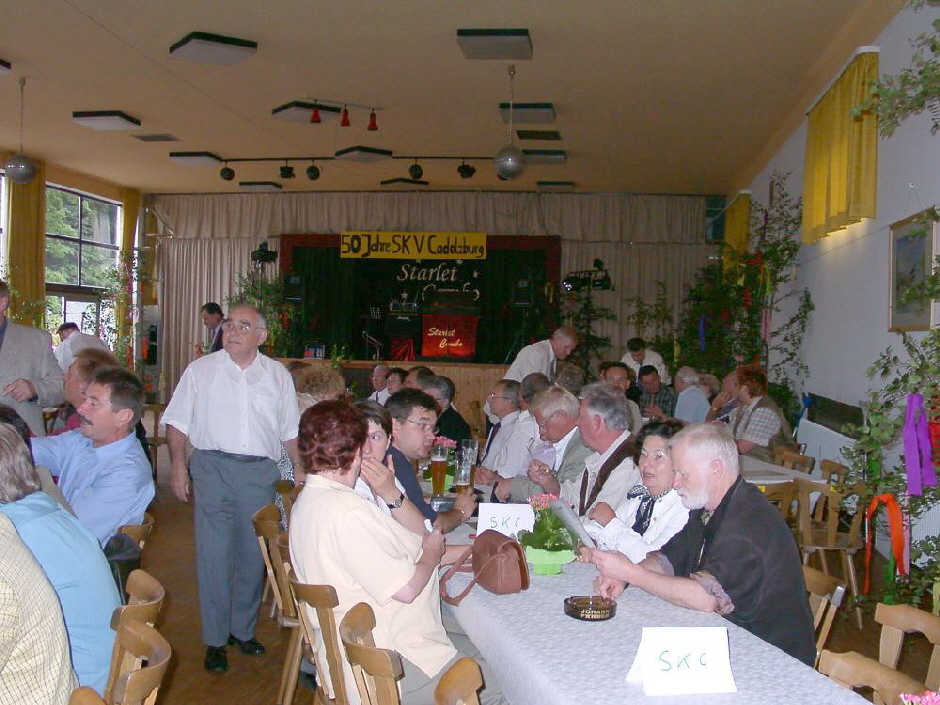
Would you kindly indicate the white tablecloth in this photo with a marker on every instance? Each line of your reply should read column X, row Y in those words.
column 760, row 472
column 543, row 657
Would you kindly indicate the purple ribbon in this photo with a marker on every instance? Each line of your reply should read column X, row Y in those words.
column 701, row 333
column 918, row 454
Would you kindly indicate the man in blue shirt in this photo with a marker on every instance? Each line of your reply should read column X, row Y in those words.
column 102, row 469
column 69, row 555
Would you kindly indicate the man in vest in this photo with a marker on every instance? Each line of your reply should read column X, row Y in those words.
column 758, row 424
column 609, row 472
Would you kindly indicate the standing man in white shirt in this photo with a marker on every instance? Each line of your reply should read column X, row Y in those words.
column 73, row 342
column 542, row 356
column 236, row 408
column 379, row 379
column 638, row 355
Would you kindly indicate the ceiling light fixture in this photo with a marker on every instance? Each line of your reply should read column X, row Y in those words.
column 313, row 172
column 209, row 48
column 5, row 67
column 373, row 125
column 315, row 115
column 365, row 155
column 287, row 171
column 546, row 156
column 415, row 171
column 260, row 185
column 465, row 170
column 19, row 168
column 534, row 113
column 227, row 173
column 504, row 44
column 345, row 121
column 195, row 158
column 105, row 119
column 305, row 111
column 555, row 185
column 400, row 181
column 510, row 161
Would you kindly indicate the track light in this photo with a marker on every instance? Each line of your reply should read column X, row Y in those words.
column 373, row 125
column 227, row 173
column 315, row 115
column 345, row 121
column 466, row 171
column 287, row 172
column 415, row 171
column 313, row 172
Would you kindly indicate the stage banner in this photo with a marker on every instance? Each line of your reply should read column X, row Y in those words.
column 375, row 244
column 449, row 335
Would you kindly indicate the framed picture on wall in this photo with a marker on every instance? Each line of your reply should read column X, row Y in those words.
column 913, row 243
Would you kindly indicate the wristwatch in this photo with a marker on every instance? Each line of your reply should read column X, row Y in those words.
column 397, row 503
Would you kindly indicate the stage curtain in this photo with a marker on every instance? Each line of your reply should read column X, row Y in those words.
column 26, row 249
column 327, row 298
column 148, row 261
column 190, row 273
column 738, row 223
column 841, row 165
column 130, row 201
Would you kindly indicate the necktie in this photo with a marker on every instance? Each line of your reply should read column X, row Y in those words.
column 492, row 437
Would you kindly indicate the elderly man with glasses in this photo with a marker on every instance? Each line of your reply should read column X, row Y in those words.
column 236, row 407
column 414, row 428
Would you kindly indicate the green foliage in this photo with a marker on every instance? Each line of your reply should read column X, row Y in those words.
column 913, row 89
column 582, row 313
column 95, row 223
column 268, row 297
column 548, row 533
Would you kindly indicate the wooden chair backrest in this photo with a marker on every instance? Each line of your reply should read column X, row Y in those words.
column 782, row 494
column 136, row 685
column 267, row 523
column 139, row 532
column 375, row 670
column 285, row 489
column 853, row 670
column 322, row 600
column 898, row 620
column 794, row 461
column 280, row 559
column 828, row 508
column 459, row 685
column 85, row 696
column 145, row 597
column 833, row 472
column 825, row 597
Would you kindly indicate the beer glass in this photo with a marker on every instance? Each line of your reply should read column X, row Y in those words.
column 438, row 469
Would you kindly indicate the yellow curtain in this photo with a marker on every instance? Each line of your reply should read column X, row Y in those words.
column 26, row 249
column 841, row 169
column 130, row 200
column 737, row 226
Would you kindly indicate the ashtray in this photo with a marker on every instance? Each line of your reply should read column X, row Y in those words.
column 590, row 608
column 442, row 503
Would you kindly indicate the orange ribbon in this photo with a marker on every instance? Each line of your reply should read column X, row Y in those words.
column 895, row 529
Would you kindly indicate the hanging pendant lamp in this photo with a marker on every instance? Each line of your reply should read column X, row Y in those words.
column 510, row 161
column 19, row 168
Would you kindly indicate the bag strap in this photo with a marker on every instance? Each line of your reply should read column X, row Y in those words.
column 457, row 565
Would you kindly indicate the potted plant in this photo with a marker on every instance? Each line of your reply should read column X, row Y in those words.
column 549, row 545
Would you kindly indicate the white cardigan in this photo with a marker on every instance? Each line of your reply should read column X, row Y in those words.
column 669, row 516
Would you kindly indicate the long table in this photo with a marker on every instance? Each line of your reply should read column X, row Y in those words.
column 760, row 472
column 542, row 656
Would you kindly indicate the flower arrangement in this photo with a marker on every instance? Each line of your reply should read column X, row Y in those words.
column 446, row 442
column 549, row 532
column 929, row 697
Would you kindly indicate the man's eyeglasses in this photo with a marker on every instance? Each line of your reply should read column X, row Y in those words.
column 232, row 326
column 424, row 425
column 493, row 395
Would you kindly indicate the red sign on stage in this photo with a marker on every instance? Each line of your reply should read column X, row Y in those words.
column 449, row 335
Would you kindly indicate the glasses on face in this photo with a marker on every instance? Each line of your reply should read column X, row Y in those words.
column 233, row 327
column 425, row 426
column 494, row 395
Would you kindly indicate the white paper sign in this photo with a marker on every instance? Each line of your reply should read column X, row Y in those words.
column 683, row 661
column 508, row 519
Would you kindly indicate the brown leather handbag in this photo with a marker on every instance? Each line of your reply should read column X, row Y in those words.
column 497, row 563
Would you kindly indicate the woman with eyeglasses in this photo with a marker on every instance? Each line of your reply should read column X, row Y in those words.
column 651, row 513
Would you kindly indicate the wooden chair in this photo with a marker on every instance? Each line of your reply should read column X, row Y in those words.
column 139, row 532
column 853, row 670
column 832, row 472
column 898, row 620
column 794, row 461
column 375, row 670
column 285, row 490
column 130, row 683
column 459, row 685
column 782, row 495
column 825, row 596
column 155, row 440
column 144, row 600
column 267, row 523
column 819, row 536
column 278, row 550
column 322, row 600
column 85, row 696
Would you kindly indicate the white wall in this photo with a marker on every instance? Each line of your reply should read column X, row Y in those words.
column 847, row 272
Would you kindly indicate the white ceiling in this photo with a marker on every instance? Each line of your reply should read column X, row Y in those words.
column 659, row 96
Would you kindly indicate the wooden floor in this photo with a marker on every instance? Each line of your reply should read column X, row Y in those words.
column 170, row 557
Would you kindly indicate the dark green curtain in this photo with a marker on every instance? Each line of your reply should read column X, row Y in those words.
column 326, row 313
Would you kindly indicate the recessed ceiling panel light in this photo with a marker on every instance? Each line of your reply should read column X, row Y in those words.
column 365, row 155
column 208, row 48
column 548, row 135
column 300, row 111
column 5, row 67
column 495, row 43
column 196, row 158
column 545, row 156
column 555, row 185
column 156, row 137
column 532, row 113
column 105, row 120
column 401, row 181
column 260, row 185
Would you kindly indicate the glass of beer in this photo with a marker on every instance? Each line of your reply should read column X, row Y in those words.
column 463, row 478
column 438, row 469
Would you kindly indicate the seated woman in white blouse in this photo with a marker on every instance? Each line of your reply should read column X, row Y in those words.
column 651, row 513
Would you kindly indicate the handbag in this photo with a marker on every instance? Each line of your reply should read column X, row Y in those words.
column 497, row 563
column 123, row 554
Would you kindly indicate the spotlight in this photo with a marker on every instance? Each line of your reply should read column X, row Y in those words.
column 313, row 172
column 466, row 171
column 415, row 171
column 227, row 173
column 287, row 172
column 373, row 125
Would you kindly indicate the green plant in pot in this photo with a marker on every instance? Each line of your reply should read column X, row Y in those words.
column 549, row 545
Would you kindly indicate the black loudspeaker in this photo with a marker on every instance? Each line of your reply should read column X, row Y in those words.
column 293, row 288
column 522, row 293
